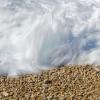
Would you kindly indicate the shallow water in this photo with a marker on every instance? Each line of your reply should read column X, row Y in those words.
column 40, row 34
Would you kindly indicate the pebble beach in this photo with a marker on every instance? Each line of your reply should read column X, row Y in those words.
column 74, row 82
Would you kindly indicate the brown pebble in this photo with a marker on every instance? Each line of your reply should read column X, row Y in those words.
column 47, row 81
column 5, row 93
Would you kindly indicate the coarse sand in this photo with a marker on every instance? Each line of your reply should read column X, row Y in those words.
column 70, row 82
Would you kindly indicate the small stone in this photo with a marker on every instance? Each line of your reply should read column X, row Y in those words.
column 5, row 94
column 47, row 81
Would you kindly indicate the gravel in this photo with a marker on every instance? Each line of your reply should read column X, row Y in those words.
column 70, row 82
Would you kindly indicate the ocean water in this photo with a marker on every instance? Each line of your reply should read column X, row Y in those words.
column 40, row 34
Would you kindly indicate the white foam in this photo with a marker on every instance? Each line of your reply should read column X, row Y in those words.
column 40, row 34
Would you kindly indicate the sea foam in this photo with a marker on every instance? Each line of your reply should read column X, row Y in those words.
column 39, row 34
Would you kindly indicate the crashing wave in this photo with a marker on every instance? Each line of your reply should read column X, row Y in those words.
column 41, row 34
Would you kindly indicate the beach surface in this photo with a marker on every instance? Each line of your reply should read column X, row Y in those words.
column 70, row 82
